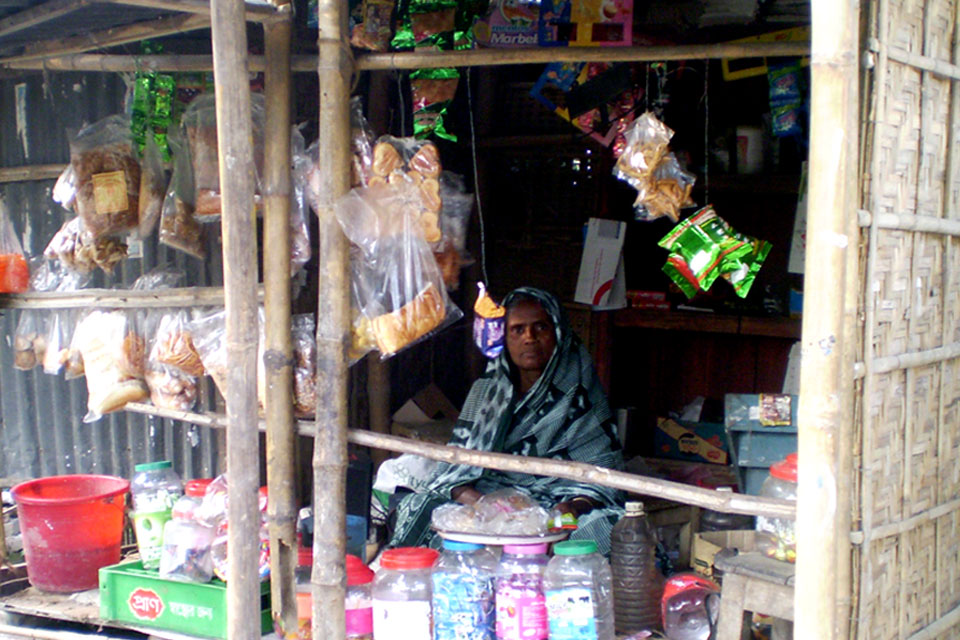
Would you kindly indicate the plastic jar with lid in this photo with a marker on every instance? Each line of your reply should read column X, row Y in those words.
column 521, row 604
column 777, row 537
column 359, row 599
column 579, row 591
column 153, row 491
column 463, row 592
column 187, row 542
column 402, row 593
column 719, row 521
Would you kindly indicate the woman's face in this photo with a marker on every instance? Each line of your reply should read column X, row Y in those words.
column 531, row 337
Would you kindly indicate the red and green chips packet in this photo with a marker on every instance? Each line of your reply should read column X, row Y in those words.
column 704, row 247
column 432, row 92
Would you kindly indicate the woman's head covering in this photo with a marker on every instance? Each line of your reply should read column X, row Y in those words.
column 564, row 416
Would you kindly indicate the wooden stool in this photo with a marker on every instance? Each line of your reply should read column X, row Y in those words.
column 753, row 583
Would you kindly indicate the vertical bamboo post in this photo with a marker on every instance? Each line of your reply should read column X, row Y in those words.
column 234, row 140
column 334, row 68
column 278, row 348
column 825, row 413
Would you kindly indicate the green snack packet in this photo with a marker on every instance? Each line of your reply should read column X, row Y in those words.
column 702, row 247
column 741, row 278
column 426, row 23
column 433, row 90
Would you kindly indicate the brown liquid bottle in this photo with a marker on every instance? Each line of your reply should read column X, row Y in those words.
column 637, row 583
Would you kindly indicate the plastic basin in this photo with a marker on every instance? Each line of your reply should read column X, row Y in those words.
column 72, row 525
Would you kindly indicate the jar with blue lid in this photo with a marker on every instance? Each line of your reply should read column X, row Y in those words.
column 464, row 592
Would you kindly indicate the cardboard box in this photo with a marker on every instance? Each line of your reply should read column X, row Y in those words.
column 129, row 593
column 707, row 544
column 601, row 282
column 427, row 416
column 694, row 441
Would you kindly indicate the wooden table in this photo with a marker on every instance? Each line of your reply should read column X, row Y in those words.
column 754, row 583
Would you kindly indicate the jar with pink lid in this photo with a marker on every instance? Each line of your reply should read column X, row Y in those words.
column 521, row 604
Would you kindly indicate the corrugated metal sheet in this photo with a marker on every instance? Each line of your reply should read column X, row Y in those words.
column 41, row 428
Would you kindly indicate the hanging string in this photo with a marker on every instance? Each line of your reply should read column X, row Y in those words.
column 476, row 185
column 706, row 132
column 403, row 114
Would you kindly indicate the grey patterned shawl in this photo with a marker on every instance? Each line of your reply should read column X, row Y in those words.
column 564, row 416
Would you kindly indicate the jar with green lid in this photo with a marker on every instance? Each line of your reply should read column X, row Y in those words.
column 154, row 490
column 579, row 591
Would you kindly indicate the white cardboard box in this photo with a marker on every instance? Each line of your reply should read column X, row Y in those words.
column 601, row 282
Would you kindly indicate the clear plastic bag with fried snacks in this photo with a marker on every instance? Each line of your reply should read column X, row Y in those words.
column 199, row 125
column 647, row 141
column 361, row 145
column 78, row 250
column 102, row 183
column 179, row 228
column 401, row 163
column 666, row 192
column 172, row 342
column 153, row 187
column 30, row 339
column 208, row 330
column 112, row 353
column 397, row 285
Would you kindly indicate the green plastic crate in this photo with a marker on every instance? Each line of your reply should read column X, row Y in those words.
column 129, row 593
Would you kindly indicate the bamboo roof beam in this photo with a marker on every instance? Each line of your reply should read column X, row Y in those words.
column 254, row 12
column 117, row 298
column 112, row 37
column 31, row 172
column 542, row 55
column 38, row 14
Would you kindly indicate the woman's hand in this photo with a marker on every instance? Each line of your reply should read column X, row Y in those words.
column 465, row 494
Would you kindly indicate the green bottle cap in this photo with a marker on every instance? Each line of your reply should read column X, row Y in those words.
column 153, row 466
column 574, row 548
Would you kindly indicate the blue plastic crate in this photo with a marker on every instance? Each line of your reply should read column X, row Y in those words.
column 754, row 446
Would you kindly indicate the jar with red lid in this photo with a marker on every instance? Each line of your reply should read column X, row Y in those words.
column 401, row 594
column 358, row 604
column 776, row 537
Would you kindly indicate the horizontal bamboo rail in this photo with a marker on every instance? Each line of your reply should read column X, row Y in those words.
column 542, row 55
column 31, row 172
column 39, row 14
column 910, row 222
column 115, row 298
column 578, row 471
column 936, row 629
column 415, row 60
column 896, row 528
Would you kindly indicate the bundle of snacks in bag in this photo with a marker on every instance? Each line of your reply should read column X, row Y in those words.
column 199, row 124
column 646, row 163
column 112, row 355
column 503, row 512
column 432, row 92
column 397, row 286
column 209, row 334
column 703, row 247
column 29, row 340
column 173, row 364
column 374, row 30
column 179, row 228
column 361, row 145
column 39, row 329
column 409, row 166
column 153, row 186
column 102, row 183
column 78, row 250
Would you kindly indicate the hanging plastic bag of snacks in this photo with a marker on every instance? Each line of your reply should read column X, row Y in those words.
column 153, row 186
column 432, row 92
column 179, row 227
column 14, row 272
column 102, row 183
column 78, row 250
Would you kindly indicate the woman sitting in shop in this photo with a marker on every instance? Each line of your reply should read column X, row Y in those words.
column 540, row 397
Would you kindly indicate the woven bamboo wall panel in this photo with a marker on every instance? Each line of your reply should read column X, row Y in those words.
column 883, row 457
column 926, row 296
column 951, row 299
column 879, row 595
column 948, row 473
column 949, row 571
column 898, row 136
column 890, row 292
column 935, row 111
column 922, row 462
column 918, row 551
column 906, row 24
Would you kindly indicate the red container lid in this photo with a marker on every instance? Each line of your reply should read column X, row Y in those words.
column 409, row 558
column 786, row 469
column 197, row 488
column 357, row 572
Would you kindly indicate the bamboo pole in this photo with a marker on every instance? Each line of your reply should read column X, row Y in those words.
column 278, row 349
column 118, row 299
column 254, row 12
column 824, row 413
column 924, row 63
column 334, row 71
column 39, row 14
column 112, row 37
column 31, row 172
column 911, row 222
column 235, row 148
column 542, row 55
column 675, row 491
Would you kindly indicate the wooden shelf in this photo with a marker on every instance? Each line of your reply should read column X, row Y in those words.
column 707, row 323
column 116, row 298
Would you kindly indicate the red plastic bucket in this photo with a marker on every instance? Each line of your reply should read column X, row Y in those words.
column 72, row 526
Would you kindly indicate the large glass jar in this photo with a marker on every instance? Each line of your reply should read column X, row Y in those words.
column 186, row 553
column 521, row 604
column 153, row 491
column 463, row 592
column 401, row 594
column 776, row 537
column 579, row 589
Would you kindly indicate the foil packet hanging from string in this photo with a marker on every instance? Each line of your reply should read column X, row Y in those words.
column 704, row 247
column 433, row 90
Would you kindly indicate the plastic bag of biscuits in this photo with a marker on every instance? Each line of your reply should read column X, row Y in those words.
column 402, row 162
column 397, row 287
column 209, row 334
column 173, row 364
column 102, row 183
